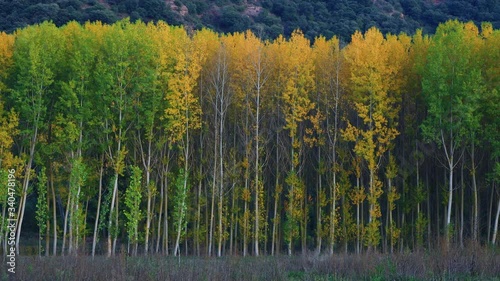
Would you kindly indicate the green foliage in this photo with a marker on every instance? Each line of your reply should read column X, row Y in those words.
column 105, row 206
column 78, row 178
column 36, row 52
column 133, row 197
column 42, row 207
column 180, row 202
column 451, row 84
column 420, row 229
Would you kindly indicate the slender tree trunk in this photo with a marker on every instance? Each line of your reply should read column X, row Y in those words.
column 63, row 248
column 71, row 224
column 96, row 225
column 185, row 186
column 115, row 239
column 115, row 159
column 160, row 214
column 490, row 210
column 76, row 221
column 221, row 174
column 232, row 222
column 461, row 233
column 212, row 214
column 495, row 226
column 47, row 236
column 246, row 211
column 147, row 167
column 333, row 210
column 303, row 223
column 358, row 239
column 450, row 199
column 198, row 211
column 214, row 177
column 333, row 140
column 318, row 206
column 257, row 169
column 428, row 208
column 245, row 217
column 165, row 170
column 212, row 206
column 475, row 230
column 390, row 226
column 110, row 221
column 437, row 200
column 26, row 182
column 277, row 192
column 54, row 211
column 291, row 204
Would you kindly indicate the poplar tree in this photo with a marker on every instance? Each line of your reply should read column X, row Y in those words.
column 451, row 85
column 374, row 84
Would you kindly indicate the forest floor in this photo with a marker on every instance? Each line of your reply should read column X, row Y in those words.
column 470, row 263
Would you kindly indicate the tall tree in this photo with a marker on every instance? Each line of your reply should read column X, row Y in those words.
column 329, row 73
column 450, row 85
column 36, row 52
column 373, row 83
column 183, row 113
column 296, row 108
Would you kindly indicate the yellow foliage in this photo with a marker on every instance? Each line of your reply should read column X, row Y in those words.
column 8, row 130
column 184, row 111
column 6, row 52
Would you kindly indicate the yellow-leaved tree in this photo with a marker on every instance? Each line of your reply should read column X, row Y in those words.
column 183, row 114
column 296, row 108
column 374, row 84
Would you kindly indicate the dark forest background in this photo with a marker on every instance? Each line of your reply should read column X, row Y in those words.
column 269, row 18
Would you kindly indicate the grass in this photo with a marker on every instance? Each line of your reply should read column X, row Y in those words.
column 471, row 263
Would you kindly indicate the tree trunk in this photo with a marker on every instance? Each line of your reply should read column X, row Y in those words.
column 358, row 239
column 198, row 211
column 257, row 183
column 232, row 221
column 437, row 200
column 450, row 198
column 115, row 239
column 147, row 167
column 475, row 229
column 110, row 221
column 490, row 210
column 160, row 214
column 165, row 170
column 495, row 226
column 96, row 225
column 277, row 192
column 26, row 182
column 246, row 212
column 63, row 248
column 318, row 207
column 461, row 233
column 428, row 209
column 54, row 211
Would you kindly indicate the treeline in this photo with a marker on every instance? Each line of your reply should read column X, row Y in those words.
column 144, row 137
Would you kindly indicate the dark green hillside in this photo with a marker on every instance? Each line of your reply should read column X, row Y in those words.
column 266, row 17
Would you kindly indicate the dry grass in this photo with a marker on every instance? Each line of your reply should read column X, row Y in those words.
column 471, row 263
